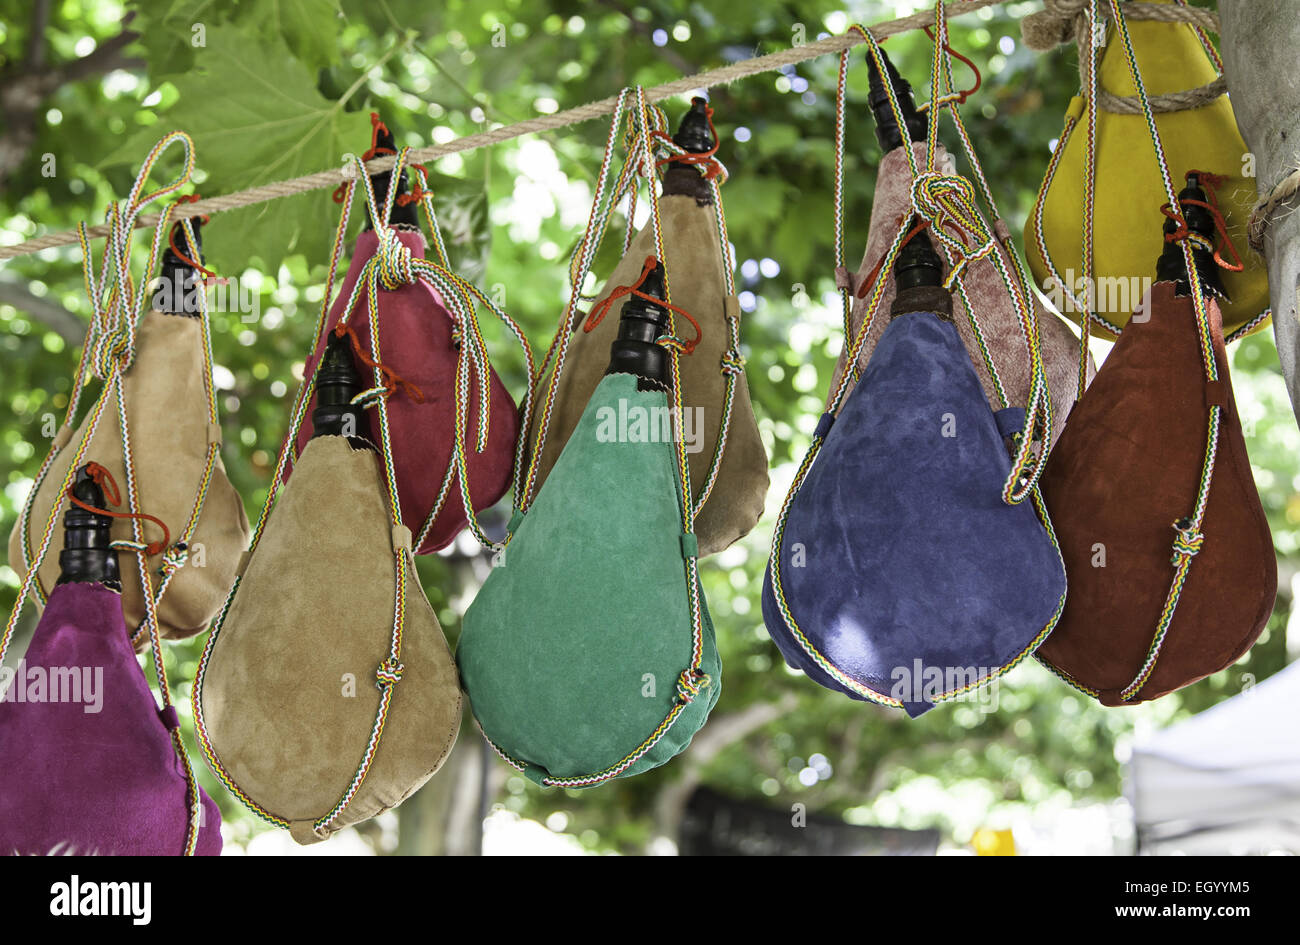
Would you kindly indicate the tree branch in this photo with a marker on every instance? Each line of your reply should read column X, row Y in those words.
column 36, row 38
column 24, row 89
column 671, row 56
column 55, row 317
column 720, row 733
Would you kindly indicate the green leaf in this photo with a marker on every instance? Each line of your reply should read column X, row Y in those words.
column 310, row 27
column 256, row 117
column 169, row 31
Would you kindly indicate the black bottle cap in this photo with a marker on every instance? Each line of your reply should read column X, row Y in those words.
column 887, row 131
column 407, row 215
column 337, row 382
column 640, row 324
column 180, row 285
column 918, row 278
column 695, row 135
column 86, row 557
column 1172, row 266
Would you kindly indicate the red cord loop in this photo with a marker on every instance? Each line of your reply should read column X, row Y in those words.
column 208, row 274
column 376, row 125
column 979, row 79
column 391, row 379
column 712, row 167
column 1181, row 232
column 598, row 312
column 104, row 479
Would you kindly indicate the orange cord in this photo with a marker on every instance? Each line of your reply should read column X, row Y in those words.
column 1210, row 181
column 693, row 157
column 376, row 125
column 208, row 274
column 875, row 272
column 598, row 312
column 979, row 79
column 104, row 479
column 391, row 378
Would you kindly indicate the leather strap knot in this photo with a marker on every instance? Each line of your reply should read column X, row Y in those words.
column 1188, row 541
column 388, row 674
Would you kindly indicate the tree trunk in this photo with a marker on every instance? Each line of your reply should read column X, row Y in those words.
column 444, row 818
column 1261, row 40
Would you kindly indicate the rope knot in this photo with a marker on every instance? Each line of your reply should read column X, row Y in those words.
column 175, row 558
column 1188, row 541
column 113, row 496
column 1056, row 25
column 393, row 261
column 732, row 362
column 112, row 348
column 690, row 683
column 940, row 200
column 388, row 674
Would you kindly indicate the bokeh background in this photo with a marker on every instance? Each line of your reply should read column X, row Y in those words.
column 281, row 88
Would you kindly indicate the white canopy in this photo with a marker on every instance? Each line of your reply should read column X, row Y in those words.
column 1226, row 780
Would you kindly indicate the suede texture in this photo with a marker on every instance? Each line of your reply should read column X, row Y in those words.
column 1128, row 466
column 314, row 609
column 1130, row 190
column 417, row 344
column 898, row 546
column 104, row 782
column 166, row 407
column 987, row 292
column 693, row 260
column 590, row 597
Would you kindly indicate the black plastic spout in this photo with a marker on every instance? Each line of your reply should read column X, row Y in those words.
column 888, row 133
column 1172, row 265
column 694, row 135
column 918, row 278
column 640, row 324
column 86, row 557
column 180, row 285
column 401, row 215
column 337, row 382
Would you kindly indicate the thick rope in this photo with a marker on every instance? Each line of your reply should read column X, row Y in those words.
column 1285, row 190
column 1065, row 21
column 563, row 119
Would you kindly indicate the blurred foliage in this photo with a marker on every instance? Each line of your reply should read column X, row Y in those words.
column 285, row 88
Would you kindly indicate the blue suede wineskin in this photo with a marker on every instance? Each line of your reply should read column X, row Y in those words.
column 898, row 574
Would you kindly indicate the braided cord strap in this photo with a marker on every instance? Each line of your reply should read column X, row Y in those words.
column 1092, row 21
column 937, row 199
column 643, row 121
column 603, row 202
column 733, row 361
column 389, row 670
column 949, row 203
column 1188, row 536
column 109, row 351
column 176, row 557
